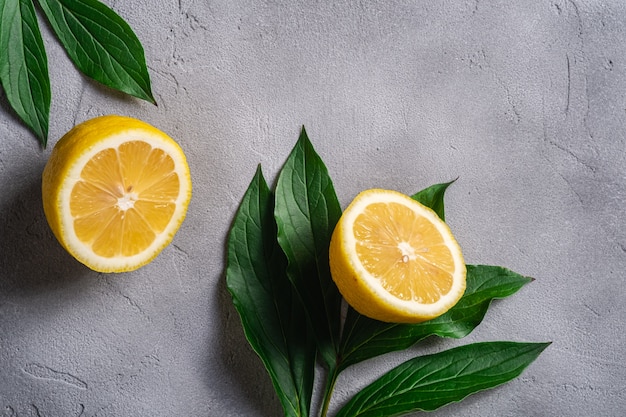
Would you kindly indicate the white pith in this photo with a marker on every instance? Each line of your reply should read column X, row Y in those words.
column 127, row 201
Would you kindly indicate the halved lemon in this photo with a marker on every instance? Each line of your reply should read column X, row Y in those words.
column 115, row 191
column 393, row 259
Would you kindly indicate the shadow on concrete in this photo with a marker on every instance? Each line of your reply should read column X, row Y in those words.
column 9, row 114
column 31, row 259
column 244, row 373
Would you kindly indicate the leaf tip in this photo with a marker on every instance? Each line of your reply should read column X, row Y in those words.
column 304, row 137
column 42, row 135
column 146, row 95
column 543, row 346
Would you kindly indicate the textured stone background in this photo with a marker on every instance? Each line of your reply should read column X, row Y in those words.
column 524, row 102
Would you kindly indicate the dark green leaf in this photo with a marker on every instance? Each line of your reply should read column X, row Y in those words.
column 307, row 211
column 101, row 44
column 365, row 338
column 273, row 319
column 24, row 66
column 432, row 381
column 433, row 197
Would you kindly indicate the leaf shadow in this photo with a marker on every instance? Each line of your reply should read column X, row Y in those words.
column 31, row 259
column 13, row 117
column 109, row 92
column 247, row 377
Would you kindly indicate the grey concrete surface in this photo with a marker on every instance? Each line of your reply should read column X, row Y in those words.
column 524, row 102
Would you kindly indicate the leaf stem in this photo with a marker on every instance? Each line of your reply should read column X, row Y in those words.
column 333, row 373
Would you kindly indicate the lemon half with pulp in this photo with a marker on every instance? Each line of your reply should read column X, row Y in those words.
column 393, row 259
column 115, row 191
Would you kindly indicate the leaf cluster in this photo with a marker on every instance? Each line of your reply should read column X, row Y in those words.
column 97, row 40
column 291, row 311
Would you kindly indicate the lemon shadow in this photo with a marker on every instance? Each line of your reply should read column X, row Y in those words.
column 31, row 259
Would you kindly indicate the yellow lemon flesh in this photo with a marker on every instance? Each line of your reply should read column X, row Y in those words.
column 393, row 259
column 115, row 191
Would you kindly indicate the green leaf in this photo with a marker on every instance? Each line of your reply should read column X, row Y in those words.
column 273, row 318
column 433, row 197
column 24, row 66
column 365, row 338
column 101, row 44
column 428, row 382
column 307, row 211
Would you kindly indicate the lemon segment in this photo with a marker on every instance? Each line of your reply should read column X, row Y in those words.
column 394, row 260
column 115, row 191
